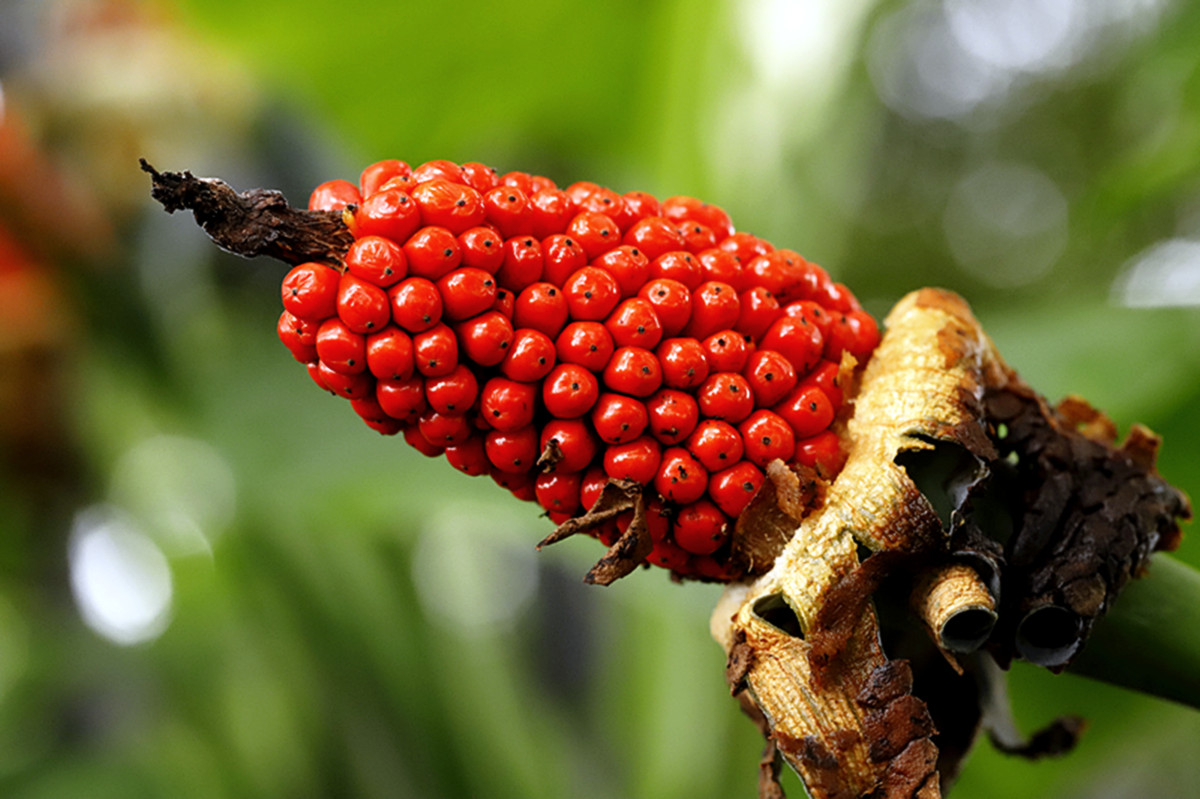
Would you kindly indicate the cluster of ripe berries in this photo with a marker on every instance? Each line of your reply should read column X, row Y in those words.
column 555, row 338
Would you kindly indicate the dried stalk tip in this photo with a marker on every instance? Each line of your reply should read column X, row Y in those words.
column 1021, row 522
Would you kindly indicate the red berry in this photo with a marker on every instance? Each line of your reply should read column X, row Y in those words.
column 680, row 477
column 549, row 213
column 628, row 266
column 432, row 252
column 684, row 363
column 759, row 311
column 506, row 404
column 373, row 414
column 767, row 437
column 854, row 332
column 697, row 237
column 588, row 344
column 449, row 205
column 592, row 486
column 418, row 442
column 672, row 415
column 596, row 233
column 431, row 170
column 558, row 491
column 723, row 267
column 562, row 257
column 591, row 293
column 416, row 304
column 745, row 247
column 700, row 528
column 310, row 291
column 827, row 377
column 578, row 191
column 727, row 396
column 466, row 292
column 634, row 371
column 513, row 450
column 334, row 195
column 635, row 205
column 542, row 307
column 469, row 457
column 523, row 263
column 350, row 386
column 678, row 265
column 482, row 248
column 340, row 348
column 530, row 358
column 444, row 431
column 363, row 306
column 807, row 410
column 669, row 555
column 634, row 324
column 298, row 336
column 715, row 306
column 618, row 419
column 603, row 201
column 716, row 444
column 822, row 452
column 770, row 375
column 635, row 460
column 505, row 300
column 507, row 208
column 835, row 296
column 654, row 236
column 726, row 351
column 575, row 441
column 486, row 338
column 401, row 399
column 481, row 177
column 733, row 488
column 435, row 351
column 377, row 260
column 672, row 303
column 796, row 339
column 380, row 172
column 569, row 391
column 452, row 394
column 812, row 311
column 784, row 273
column 390, row 213
column 683, row 209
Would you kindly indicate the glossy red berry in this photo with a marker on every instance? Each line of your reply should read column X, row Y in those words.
column 826, row 376
column 542, row 307
column 569, row 391
column 680, row 476
column 486, row 338
column 618, row 419
column 401, row 399
column 602, row 201
column 745, row 247
column 390, row 213
column 432, row 252
column 806, row 410
column 549, row 213
column 435, row 351
column 672, row 415
column 854, row 332
column 506, row 404
column 683, row 209
column 482, row 248
column 722, row 266
column 796, row 339
column 770, row 375
column 377, row 260
column 596, row 233
column 634, row 324
column 519, row 484
column 822, row 452
column 340, row 348
column 416, row 304
column 558, row 491
column 733, row 488
column 715, row 306
column 636, row 205
column 438, row 168
column 628, row 266
column 716, row 444
column 572, row 442
column 298, row 336
column 481, row 177
column 654, row 236
column 374, row 416
column 444, row 431
column 469, row 457
column 766, row 437
column 350, row 386
column 530, row 358
column 562, row 257
column 523, row 263
column 507, row 208
column 452, row 394
column 700, row 527
column 418, row 442
column 513, row 450
column 634, row 371
column 672, row 303
column 363, row 306
column 591, row 293
column 759, row 311
column 466, row 292
column 591, row 486
column 669, row 555
column 449, row 205
column 380, row 172
column 726, row 351
column 635, row 460
column 684, row 363
column 588, row 344
column 334, row 195
column 678, row 265
column 725, row 395
column 310, row 291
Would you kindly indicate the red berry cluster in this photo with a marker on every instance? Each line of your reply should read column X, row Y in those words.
column 556, row 338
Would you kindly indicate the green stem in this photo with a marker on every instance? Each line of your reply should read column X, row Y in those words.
column 1150, row 640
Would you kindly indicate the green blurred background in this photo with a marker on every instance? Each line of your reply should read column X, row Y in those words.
column 216, row 582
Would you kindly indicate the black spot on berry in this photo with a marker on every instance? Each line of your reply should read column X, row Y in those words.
column 587, row 294
column 641, row 328
column 350, row 362
column 748, row 485
column 574, row 386
column 387, row 272
column 512, row 198
column 766, row 440
column 495, row 413
column 461, row 203
column 552, row 292
column 812, row 406
column 447, row 252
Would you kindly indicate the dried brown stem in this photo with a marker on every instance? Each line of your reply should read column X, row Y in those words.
column 254, row 222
